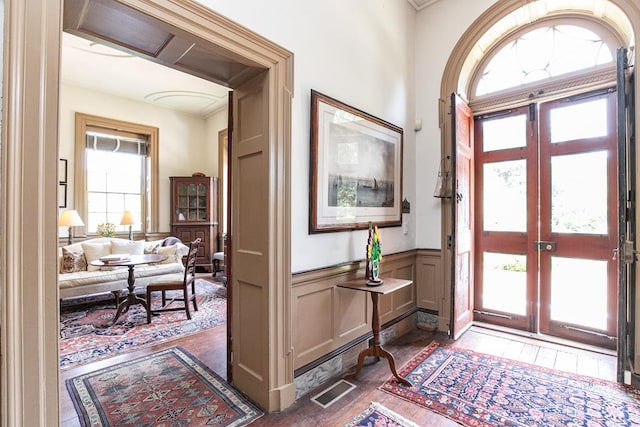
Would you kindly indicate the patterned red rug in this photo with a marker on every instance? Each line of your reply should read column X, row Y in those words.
column 87, row 334
column 167, row 388
column 476, row 389
column 379, row 416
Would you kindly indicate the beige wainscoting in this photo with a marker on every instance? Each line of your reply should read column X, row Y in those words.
column 326, row 317
column 429, row 276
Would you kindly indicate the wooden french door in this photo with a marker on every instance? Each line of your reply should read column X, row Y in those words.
column 546, row 226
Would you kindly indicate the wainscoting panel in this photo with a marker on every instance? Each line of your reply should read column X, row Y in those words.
column 317, row 306
column 429, row 276
column 355, row 311
column 327, row 318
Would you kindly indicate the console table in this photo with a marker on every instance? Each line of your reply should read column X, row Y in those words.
column 376, row 350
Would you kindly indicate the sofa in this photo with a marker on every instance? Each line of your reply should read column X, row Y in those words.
column 77, row 277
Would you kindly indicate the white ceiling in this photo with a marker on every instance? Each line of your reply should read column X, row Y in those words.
column 97, row 67
column 421, row 4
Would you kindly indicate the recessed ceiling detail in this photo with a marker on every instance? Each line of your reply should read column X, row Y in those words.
column 100, row 68
column 174, row 98
column 421, row 4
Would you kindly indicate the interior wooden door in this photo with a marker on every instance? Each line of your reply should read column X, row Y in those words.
column 250, row 233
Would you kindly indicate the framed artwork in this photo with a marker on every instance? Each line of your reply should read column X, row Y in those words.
column 62, row 194
column 62, row 171
column 355, row 169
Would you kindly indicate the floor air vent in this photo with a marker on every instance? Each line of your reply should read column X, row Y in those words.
column 333, row 393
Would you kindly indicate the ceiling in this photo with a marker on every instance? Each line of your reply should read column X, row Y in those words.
column 98, row 67
column 421, row 4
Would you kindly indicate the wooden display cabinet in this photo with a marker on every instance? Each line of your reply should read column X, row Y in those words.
column 194, row 213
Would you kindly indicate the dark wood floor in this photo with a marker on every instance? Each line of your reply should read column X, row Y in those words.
column 210, row 348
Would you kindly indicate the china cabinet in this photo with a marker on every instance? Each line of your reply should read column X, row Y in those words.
column 194, row 214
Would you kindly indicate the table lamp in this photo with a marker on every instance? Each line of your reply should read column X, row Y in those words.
column 129, row 219
column 70, row 218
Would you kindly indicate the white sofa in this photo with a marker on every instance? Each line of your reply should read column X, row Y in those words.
column 78, row 278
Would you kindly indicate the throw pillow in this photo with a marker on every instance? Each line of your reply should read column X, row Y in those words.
column 94, row 251
column 171, row 252
column 127, row 247
column 73, row 261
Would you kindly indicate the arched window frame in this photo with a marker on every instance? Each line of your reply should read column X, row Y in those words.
column 563, row 85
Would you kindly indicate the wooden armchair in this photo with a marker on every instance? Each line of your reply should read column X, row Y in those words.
column 178, row 282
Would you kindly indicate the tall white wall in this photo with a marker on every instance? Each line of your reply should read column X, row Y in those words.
column 185, row 145
column 438, row 29
column 361, row 54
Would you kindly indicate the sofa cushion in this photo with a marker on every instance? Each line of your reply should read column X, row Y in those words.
column 94, row 251
column 127, row 247
column 171, row 252
column 87, row 278
column 73, row 261
column 158, row 269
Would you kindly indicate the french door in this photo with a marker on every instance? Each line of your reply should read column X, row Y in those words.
column 546, row 224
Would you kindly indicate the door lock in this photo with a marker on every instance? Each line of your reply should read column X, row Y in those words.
column 543, row 246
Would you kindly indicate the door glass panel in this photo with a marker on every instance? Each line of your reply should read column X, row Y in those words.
column 579, row 193
column 579, row 292
column 509, row 132
column 591, row 116
column 504, row 282
column 505, row 196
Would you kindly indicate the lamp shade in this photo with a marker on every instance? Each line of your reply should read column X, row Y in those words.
column 70, row 218
column 128, row 219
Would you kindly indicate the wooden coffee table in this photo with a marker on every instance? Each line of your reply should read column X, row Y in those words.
column 131, row 298
column 376, row 350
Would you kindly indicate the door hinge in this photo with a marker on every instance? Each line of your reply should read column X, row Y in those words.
column 532, row 112
column 449, row 241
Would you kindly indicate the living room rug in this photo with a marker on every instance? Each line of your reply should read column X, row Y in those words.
column 163, row 389
column 87, row 333
column 476, row 389
column 379, row 416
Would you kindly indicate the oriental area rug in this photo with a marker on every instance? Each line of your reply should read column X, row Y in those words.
column 87, row 333
column 379, row 416
column 476, row 389
column 163, row 389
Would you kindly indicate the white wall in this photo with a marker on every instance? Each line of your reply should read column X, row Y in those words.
column 361, row 54
column 438, row 29
column 185, row 143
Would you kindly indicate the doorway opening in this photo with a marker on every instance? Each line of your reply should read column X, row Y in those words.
column 179, row 152
column 525, row 74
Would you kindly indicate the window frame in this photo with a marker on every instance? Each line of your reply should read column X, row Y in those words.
column 150, row 203
column 554, row 87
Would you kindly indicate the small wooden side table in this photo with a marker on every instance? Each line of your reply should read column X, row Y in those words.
column 376, row 350
column 131, row 298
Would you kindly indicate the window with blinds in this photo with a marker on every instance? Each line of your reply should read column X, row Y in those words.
column 117, row 167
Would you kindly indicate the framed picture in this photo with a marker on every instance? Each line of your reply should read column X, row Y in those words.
column 62, row 195
column 62, row 171
column 355, row 170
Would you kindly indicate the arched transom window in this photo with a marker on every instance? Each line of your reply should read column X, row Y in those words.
column 543, row 53
column 544, row 49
